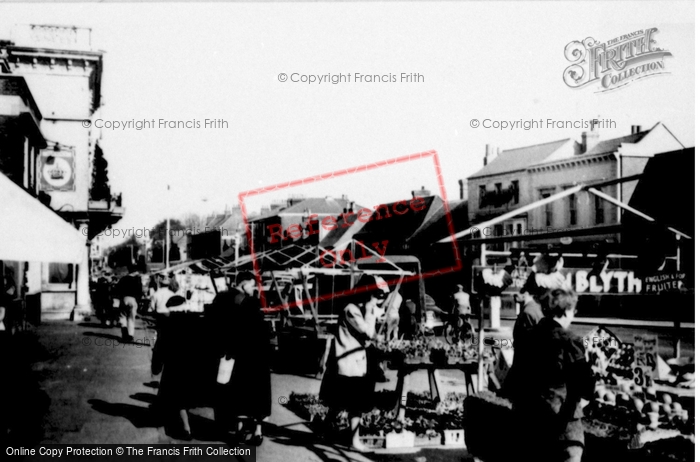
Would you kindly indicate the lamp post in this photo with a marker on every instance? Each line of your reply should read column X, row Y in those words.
column 167, row 240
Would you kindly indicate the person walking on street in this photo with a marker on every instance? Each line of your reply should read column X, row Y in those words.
column 160, row 297
column 131, row 291
column 245, row 338
column 102, row 300
column 558, row 378
column 181, row 357
column 346, row 384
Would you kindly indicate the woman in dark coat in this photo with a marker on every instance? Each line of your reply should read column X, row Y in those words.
column 181, row 355
column 246, row 336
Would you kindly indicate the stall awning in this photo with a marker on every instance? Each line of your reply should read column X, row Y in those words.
column 29, row 231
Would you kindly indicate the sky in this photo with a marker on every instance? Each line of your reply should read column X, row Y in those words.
column 478, row 60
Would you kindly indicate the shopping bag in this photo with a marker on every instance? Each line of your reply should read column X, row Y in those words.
column 225, row 370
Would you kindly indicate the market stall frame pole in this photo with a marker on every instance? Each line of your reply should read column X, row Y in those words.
column 482, row 302
column 677, row 321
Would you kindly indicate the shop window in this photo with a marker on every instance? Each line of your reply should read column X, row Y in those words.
column 60, row 273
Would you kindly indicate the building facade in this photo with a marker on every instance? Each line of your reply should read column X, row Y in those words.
column 517, row 177
column 52, row 78
column 296, row 220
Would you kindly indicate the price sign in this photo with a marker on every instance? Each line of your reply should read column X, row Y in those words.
column 646, row 348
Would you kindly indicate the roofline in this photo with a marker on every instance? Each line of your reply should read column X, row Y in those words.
column 28, row 51
column 515, row 149
column 572, row 159
column 495, row 174
column 670, row 133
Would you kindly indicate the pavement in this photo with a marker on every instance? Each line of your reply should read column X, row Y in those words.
column 100, row 389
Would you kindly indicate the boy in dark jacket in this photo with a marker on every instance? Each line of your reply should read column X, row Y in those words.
column 555, row 378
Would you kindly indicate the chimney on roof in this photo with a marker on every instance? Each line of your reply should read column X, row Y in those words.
column 422, row 192
column 636, row 129
column 491, row 153
column 590, row 138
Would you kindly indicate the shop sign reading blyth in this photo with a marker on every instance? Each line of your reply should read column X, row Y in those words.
column 583, row 281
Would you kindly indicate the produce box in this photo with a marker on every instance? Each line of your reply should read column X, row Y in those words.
column 373, row 441
column 403, row 439
column 434, row 439
column 453, row 438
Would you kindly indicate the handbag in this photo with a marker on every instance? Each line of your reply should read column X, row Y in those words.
column 225, row 370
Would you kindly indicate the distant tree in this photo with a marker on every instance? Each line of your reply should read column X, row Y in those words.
column 100, row 189
column 194, row 223
column 125, row 254
column 158, row 231
column 158, row 240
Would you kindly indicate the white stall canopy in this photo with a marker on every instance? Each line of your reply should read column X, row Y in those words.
column 29, row 231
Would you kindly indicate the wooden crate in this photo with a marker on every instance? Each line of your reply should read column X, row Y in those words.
column 453, row 438
column 405, row 439
column 373, row 441
column 423, row 440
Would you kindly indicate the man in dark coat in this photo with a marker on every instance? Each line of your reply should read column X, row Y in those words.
column 556, row 377
column 530, row 315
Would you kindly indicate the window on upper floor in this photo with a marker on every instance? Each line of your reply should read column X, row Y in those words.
column 573, row 210
column 548, row 207
column 515, row 187
column 598, row 210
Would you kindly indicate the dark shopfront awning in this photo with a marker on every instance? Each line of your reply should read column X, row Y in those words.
column 30, row 231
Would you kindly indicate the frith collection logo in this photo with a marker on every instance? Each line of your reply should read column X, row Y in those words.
column 615, row 63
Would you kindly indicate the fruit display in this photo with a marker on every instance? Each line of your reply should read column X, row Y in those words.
column 622, row 361
column 632, row 407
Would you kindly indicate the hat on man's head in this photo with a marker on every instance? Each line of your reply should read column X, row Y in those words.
column 244, row 276
column 373, row 285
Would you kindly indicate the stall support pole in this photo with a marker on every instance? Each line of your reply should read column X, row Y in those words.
column 677, row 321
column 480, row 370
